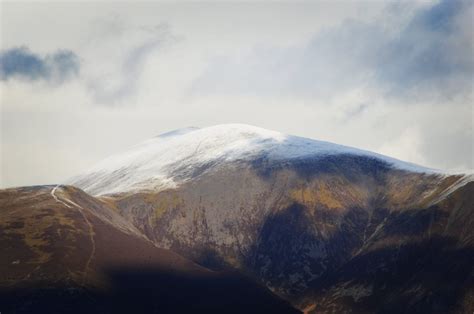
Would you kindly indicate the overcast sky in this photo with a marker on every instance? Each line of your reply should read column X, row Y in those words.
column 82, row 81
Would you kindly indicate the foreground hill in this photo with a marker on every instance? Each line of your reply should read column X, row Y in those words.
column 327, row 227
column 64, row 251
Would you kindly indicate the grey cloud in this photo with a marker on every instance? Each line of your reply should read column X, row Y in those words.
column 131, row 67
column 439, row 17
column 428, row 57
column 21, row 63
column 433, row 53
column 129, row 75
column 356, row 111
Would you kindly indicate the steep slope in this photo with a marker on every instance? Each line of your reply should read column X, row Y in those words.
column 65, row 251
column 290, row 212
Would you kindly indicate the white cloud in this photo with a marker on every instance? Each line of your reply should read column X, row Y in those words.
column 407, row 146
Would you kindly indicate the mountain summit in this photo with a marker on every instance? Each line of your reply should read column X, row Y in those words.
column 175, row 157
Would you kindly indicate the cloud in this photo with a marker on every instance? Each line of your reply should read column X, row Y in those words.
column 355, row 111
column 120, row 78
column 432, row 54
column 406, row 145
column 21, row 63
column 407, row 54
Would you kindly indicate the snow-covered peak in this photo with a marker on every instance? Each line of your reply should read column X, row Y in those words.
column 169, row 159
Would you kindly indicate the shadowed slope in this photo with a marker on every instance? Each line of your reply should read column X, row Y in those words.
column 419, row 261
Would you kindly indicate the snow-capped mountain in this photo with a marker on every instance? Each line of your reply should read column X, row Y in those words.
column 327, row 227
column 172, row 158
